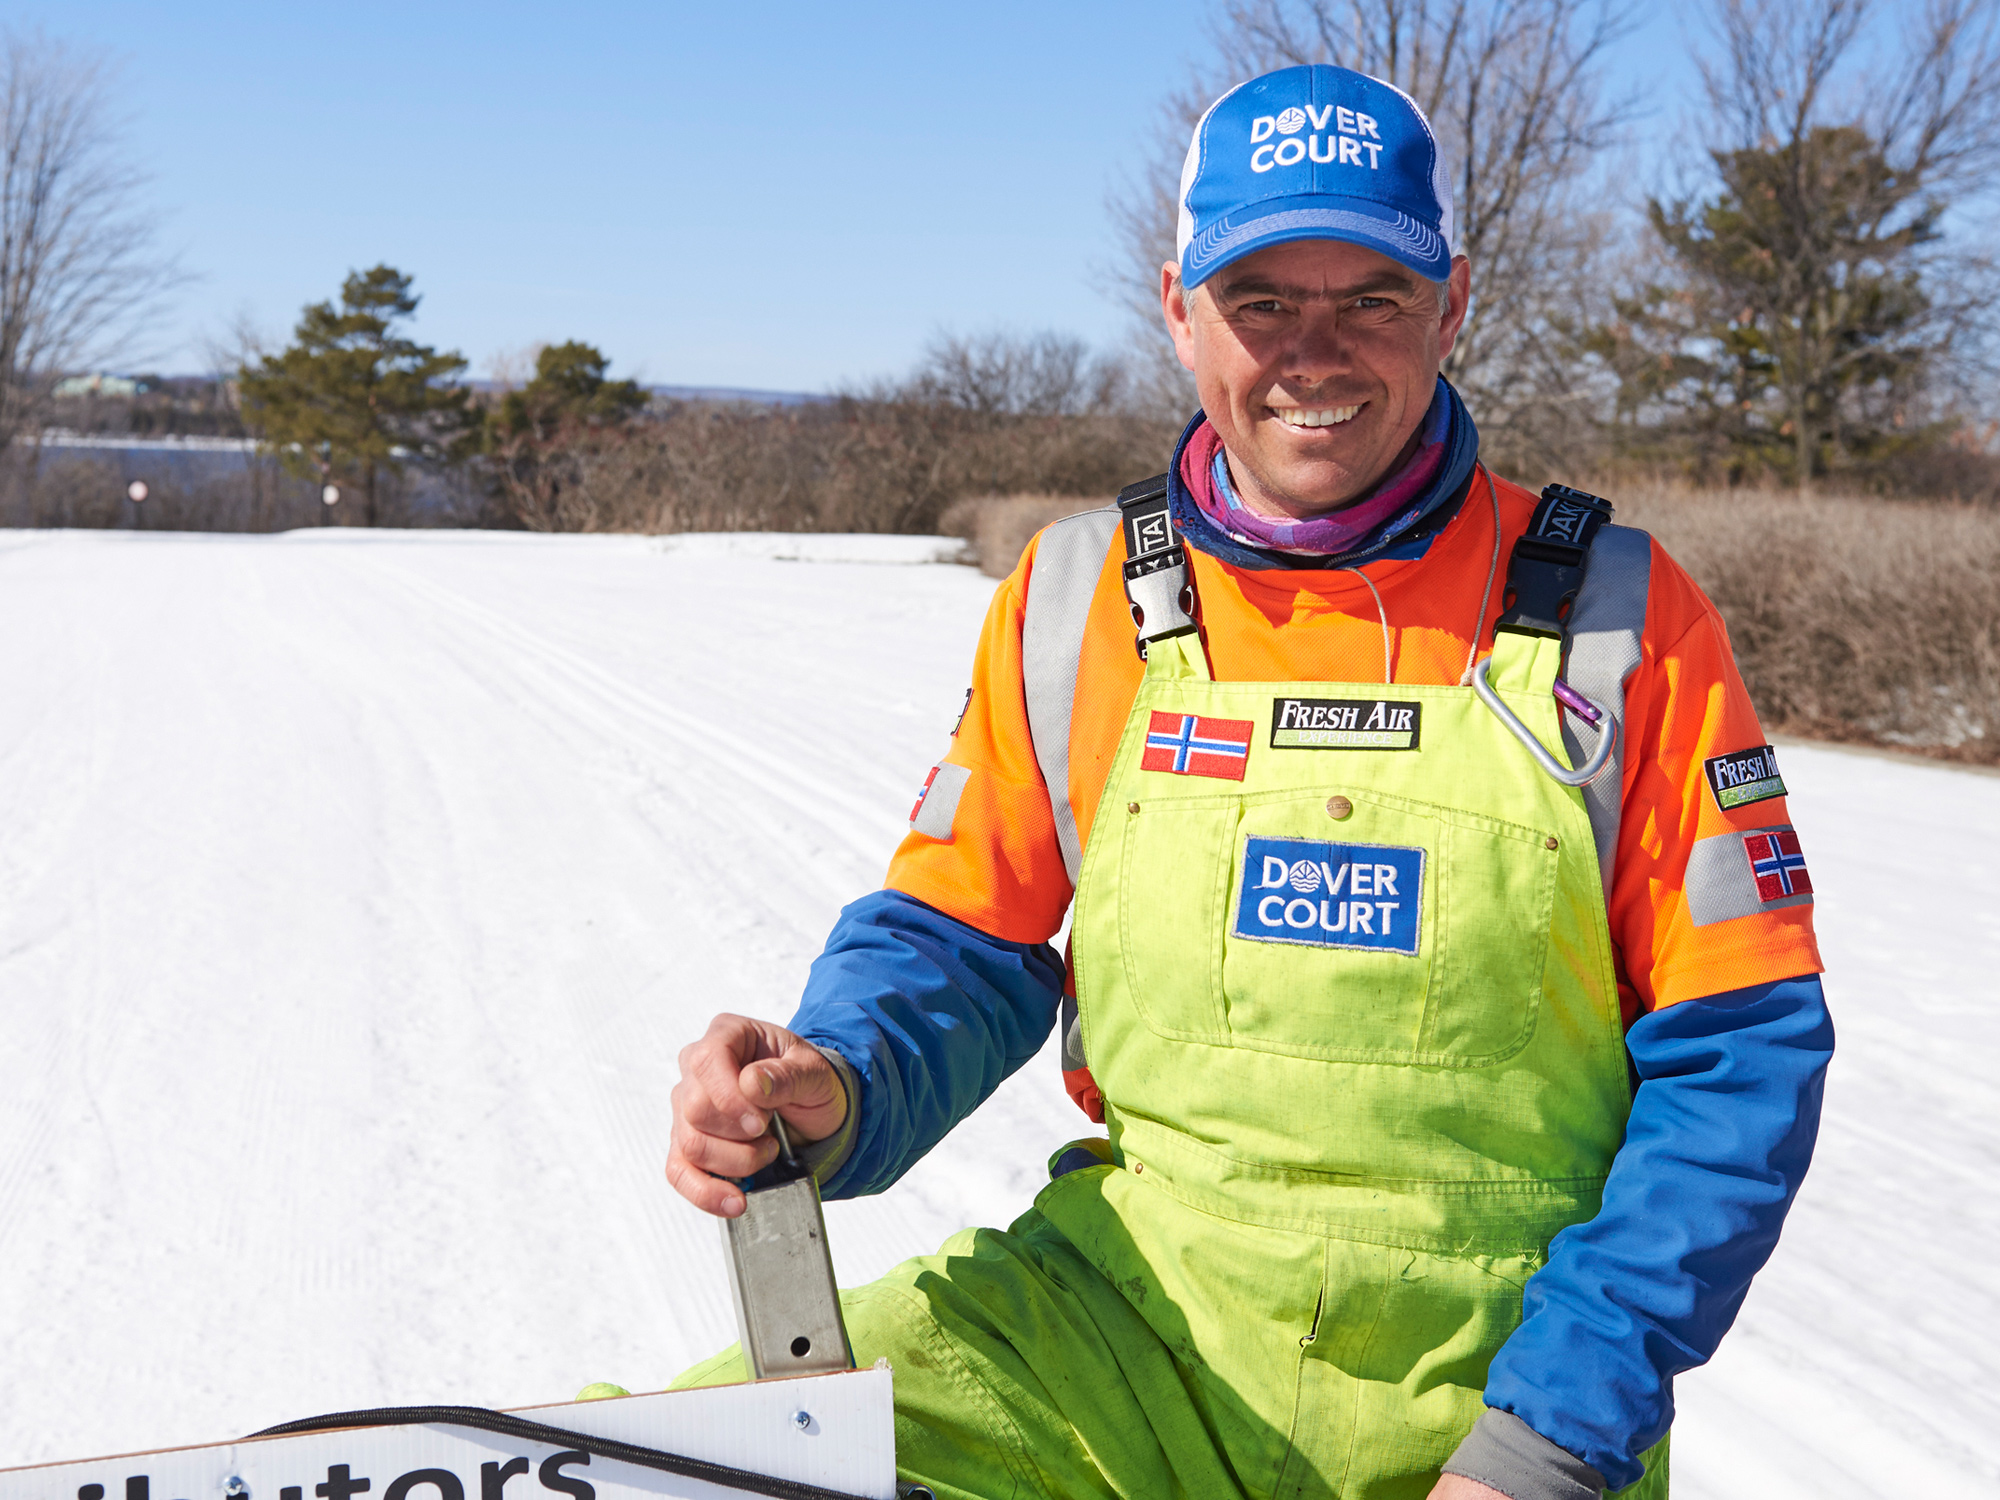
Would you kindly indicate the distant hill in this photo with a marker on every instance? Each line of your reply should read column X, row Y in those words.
column 704, row 393
column 736, row 393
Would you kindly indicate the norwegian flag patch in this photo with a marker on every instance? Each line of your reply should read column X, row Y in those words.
column 1191, row 745
column 1777, row 865
column 1746, row 872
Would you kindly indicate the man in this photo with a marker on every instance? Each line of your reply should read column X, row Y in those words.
column 1454, row 1093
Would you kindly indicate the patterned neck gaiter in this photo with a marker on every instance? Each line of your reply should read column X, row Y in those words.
column 1447, row 448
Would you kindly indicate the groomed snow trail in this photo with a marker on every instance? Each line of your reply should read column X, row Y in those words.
column 357, row 892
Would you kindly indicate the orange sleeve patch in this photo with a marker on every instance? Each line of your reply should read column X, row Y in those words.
column 1001, row 869
column 1686, row 706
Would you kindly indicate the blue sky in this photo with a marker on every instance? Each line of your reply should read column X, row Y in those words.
column 784, row 196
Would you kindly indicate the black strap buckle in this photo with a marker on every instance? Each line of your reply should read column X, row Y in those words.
column 1158, row 585
column 1149, row 525
column 1546, row 568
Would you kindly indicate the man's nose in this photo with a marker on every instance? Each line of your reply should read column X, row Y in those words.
column 1317, row 350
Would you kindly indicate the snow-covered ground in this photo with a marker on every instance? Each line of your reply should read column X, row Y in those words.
column 357, row 891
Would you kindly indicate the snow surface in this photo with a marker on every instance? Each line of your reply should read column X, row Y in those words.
column 357, row 892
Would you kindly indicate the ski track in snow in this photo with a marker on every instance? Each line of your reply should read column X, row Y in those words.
column 357, row 892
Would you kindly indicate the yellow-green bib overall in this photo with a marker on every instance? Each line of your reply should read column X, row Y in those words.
column 1358, row 1037
column 1356, row 1027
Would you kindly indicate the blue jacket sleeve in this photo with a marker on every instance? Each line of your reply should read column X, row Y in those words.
column 931, row 1014
column 1721, row 1132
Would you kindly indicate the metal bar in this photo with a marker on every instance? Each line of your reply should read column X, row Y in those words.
column 781, row 1274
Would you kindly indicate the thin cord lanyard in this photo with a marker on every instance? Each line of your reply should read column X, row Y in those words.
column 1485, row 598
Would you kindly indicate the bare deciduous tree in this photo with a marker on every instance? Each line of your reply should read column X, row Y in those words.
column 1512, row 88
column 1038, row 375
column 78, row 263
column 1932, row 104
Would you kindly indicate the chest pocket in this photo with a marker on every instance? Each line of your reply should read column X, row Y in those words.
column 1406, row 932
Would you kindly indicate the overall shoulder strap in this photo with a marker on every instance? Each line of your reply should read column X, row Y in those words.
column 1547, row 566
column 1158, row 585
column 1576, row 578
column 1069, row 559
column 1159, row 589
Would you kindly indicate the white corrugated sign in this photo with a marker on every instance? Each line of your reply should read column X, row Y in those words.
column 835, row 1432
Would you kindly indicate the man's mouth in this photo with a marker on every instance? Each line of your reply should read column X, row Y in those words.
column 1313, row 416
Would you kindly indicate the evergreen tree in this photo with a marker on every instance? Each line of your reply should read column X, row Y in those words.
column 568, row 393
column 544, row 437
column 1798, row 331
column 1811, row 314
column 351, row 398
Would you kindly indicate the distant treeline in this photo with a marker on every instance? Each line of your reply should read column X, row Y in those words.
column 1809, row 303
column 354, row 410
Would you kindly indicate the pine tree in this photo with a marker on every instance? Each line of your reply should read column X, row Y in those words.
column 568, row 391
column 544, row 437
column 351, row 398
column 1811, row 315
column 1798, row 329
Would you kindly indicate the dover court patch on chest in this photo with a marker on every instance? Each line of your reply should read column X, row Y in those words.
column 1331, row 895
column 1345, row 724
column 1193, row 745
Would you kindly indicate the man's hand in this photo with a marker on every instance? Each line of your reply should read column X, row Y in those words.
column 732, row 1081
column 1458, row 1487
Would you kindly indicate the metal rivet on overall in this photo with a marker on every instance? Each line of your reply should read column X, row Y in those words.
column 1339, row 807
column 1554, row 842
column 1131, row 807
column 1138, row 1166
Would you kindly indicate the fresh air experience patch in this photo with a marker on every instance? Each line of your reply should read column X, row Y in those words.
column 1331, row 895
column 1743, row 778
column 1345, row 724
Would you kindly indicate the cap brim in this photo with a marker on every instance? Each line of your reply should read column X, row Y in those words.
column 1316, row 216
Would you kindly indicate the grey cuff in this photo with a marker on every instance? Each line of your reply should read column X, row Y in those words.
column 1508, row 1454
column 826, row 1157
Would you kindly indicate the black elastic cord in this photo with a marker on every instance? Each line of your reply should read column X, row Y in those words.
column 541, row 1432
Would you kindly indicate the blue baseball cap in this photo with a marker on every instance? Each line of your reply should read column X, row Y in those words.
column 1314, row 153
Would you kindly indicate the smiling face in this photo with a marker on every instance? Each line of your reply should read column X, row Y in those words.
column 1316, row 362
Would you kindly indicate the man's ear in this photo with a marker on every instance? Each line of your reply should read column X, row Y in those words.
column 1459, row 286
column 1174, row 306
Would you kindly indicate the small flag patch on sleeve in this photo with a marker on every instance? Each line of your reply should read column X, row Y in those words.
column 1191, row 745
column 1777, row 864
column 1739, row 874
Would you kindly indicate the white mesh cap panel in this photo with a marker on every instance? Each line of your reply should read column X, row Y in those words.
column 1440, row 179
column 1190, row 167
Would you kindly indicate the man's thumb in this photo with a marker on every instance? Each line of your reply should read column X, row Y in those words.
column 774, row 1082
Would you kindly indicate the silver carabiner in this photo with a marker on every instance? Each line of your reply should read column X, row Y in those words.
column 1583, row 775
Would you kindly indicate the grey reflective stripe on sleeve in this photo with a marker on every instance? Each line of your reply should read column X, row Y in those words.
column 1072, row 1037
column 1508, row 1454
column 1605, row 628
column 1069, row 559
column 940, row 805
column 1721, row 884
